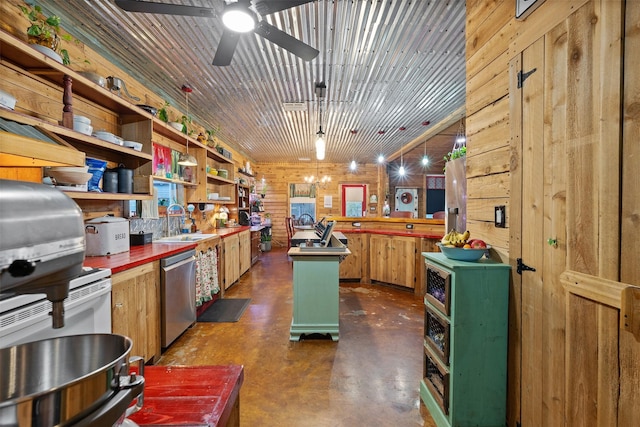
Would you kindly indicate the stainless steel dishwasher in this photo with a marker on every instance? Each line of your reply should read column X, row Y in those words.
column 178, row 287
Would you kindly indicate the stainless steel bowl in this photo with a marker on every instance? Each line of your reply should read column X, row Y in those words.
column 60, row 380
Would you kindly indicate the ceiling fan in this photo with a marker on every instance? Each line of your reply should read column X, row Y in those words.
column 238, row 17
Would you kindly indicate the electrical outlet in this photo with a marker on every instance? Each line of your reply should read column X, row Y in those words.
column 409, row 226
column 499, row 219
column 355, row 224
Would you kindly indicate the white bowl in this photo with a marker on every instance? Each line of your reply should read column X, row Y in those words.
column 82, row 119
column 7, row 100
column 133, row 144
column 63, row 177
column 176, row 125
column 105, row 136
column 47, row 52
column 70, row 168
column 82, row 128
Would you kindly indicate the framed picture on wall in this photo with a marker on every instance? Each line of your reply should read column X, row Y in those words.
column 524, row 8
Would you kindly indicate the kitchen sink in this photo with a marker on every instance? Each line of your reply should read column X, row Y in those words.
column 182, row 238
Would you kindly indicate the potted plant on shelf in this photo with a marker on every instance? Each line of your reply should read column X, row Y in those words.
column 267, row 218
column 43, row 33
column 163, row 114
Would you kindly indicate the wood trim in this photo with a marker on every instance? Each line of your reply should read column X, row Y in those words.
column 598, row 289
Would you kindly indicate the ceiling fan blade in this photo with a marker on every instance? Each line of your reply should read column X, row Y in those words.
column 286, row 41
column 164, row 8
column 226, row 48
column 267, row 7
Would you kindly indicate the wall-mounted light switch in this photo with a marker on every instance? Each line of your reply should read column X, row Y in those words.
column 499, row 219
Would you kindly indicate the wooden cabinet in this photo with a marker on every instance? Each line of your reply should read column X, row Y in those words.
column 244, row 238
column 465, row 341
column 392, row 259
column 351, row 266
column 255, row 246
column 135, row 308
column 56, row 93
column 231, row 259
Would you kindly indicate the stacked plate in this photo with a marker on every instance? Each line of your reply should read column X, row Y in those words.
column 109, row 137
column 133, row 144
column 82, row 124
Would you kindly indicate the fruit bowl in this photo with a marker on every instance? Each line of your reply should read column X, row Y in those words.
column 462, row 254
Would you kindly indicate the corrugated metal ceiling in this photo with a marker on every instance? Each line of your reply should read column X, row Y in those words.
column 387, row 65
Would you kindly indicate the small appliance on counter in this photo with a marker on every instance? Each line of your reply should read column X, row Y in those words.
column 141, row 238
column 243, row 218
column 107, row 235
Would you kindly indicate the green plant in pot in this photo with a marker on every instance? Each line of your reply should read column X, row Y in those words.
column 44, row 31
column 265, row 242
column 163, row 114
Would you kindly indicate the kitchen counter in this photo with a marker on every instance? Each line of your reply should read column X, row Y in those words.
column 138, row 255
column 191, row 395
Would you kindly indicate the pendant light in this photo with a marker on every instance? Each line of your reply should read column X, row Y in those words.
column 425, row 159
column 401, row 171
column 321, row 145
column 186, row 159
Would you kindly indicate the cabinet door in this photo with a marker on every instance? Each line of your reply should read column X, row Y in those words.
column 379, row 258
column 135, row 308
column 245, row 251
column 231, row 260
column 351, row 266
column 403, row 253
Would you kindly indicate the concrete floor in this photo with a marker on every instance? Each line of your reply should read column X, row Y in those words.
column 370, row 377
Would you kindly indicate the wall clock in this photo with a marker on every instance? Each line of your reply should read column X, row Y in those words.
column 525, row 7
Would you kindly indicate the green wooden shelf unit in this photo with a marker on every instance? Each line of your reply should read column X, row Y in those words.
column 465, row 341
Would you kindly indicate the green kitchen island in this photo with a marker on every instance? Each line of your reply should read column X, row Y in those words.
column 316, row 290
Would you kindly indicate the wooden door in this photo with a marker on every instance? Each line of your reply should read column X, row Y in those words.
column 575, row 366
column 231, row 260
column 351, row 266
column 403, row 264
column 380, row 261
column 244, row 251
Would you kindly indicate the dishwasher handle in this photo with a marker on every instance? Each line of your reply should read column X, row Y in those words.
column 179, row 264
column 174, row 259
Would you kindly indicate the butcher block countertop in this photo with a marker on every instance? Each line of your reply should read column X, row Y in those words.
column 139, row 255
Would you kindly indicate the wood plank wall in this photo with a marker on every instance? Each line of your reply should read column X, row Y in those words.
column 569, row 362
column 279, row 176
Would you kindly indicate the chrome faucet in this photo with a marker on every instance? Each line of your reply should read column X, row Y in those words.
column 168, row 210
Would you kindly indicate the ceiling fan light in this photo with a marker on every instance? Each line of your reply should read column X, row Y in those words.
column 238, row 18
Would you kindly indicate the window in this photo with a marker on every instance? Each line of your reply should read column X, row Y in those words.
column 353, row 200
column 302, row 200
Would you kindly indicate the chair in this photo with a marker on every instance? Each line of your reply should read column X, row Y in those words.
column 305, row 219
column 401, row 214
column 288, row 222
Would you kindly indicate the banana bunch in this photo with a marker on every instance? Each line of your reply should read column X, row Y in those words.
column 455, row 239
